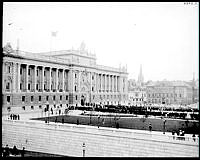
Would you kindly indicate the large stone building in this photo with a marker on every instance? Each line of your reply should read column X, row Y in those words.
column 169, row 92
column 32, row 82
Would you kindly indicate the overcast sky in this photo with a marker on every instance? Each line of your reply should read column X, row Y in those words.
column 163, row 37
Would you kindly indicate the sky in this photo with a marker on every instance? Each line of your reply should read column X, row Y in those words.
column 160, row 36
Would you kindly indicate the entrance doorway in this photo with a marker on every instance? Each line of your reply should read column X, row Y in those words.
column 82, row 100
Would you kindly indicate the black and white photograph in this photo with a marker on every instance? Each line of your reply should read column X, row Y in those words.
column 100, row 79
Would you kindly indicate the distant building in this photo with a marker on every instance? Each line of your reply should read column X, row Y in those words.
column 42, row 81
column 169, row 92
column 137, row 91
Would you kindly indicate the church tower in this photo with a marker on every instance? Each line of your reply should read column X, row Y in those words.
column 140, row 77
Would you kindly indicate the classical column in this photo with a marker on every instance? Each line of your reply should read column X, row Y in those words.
column 63, row 80
column 56, row 87
column 42, row 78
column 14, row 78
column 50, row 79
column 111, row 82
column 35, row 77
column 108, row 83
column 115, row 83
column 18, row 77
column 105, row 82
column 26, row 88
column 97, row 81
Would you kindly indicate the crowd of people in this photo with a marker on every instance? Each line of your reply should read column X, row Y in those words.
column 14, row 117
column 10, row 152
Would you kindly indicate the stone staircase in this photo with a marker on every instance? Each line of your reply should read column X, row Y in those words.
column 67, row 140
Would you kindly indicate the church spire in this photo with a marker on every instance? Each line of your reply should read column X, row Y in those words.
column 140, row 76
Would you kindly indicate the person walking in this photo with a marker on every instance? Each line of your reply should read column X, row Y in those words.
column 150, row 127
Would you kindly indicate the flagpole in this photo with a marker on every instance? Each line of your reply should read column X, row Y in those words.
column 50, row 43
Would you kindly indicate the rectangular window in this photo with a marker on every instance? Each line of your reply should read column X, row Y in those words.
column 76, row 97
column 29, row 71
column 37, row 72
column 23, row 107
column 40, row 107
column 8, row 69
column 60, row 97
column 23, row 98
column 20, row 86
column 66, row 97
column 75, row 75
column 54, row 97
column 47, row 98
column 20, row 71
column 39, row 98
column 8, row 99
column 29, row 86
column 32, row 107
column 7, row 85
column 31, row 98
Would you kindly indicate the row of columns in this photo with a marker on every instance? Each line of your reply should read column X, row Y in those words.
column 108, row 83
column 36, row 79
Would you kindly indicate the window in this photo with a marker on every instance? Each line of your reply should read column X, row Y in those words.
column 39, row 98
column 75, row 75
column 44, row 73
column 54, row 97
column 92, row 77
column 54, row 106
column 66, row 97
column 47, row 98
column 92, row 88
column 32, row 107
column 60, row 97
column 8, row 99
column 36, row 86
column 20, row 71
column 20, row 86
column 29, row 71
column 8, row 69
column 23, row 107
column 8, row 85
column 23, row 98
column 75, row 88
column 31, row 98
column 37, row 72
column 76, row 97
column 29, row 86
column 40, row 107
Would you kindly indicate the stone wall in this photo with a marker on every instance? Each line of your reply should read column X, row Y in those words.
column 67, row 139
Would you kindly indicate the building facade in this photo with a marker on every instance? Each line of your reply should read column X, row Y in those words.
column 137, row 91
column 44, row 81
column 169, row 92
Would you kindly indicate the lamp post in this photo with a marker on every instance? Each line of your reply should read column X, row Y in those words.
column 164, row 121
column 83, row 149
